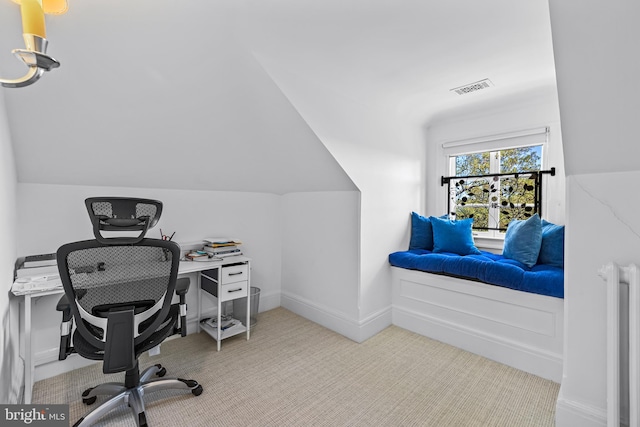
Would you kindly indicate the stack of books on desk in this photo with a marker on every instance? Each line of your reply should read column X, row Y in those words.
column 222, row 247
column 198, row 256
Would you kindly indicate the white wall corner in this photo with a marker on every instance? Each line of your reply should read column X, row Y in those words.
column 268, row 301
column 354, row 329
column 374, row 323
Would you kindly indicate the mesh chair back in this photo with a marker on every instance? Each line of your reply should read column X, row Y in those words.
column 98, row 278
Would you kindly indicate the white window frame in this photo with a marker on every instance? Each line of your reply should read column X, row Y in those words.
column 494, row 143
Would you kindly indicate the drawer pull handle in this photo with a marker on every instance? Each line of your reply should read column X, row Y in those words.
column 234, row 290
column 235, row 274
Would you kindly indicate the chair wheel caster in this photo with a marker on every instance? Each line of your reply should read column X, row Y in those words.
column 142, row 420
column 162, row 372
column 197, row 391
column 88, row 400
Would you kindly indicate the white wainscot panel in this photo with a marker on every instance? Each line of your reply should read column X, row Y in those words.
column 516, row 328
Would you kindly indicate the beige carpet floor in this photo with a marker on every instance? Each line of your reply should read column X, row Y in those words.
column 293, row 372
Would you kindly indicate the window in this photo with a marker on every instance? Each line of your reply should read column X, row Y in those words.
column 492, row 201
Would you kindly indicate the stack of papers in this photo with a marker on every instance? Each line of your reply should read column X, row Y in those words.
column 36, row 284
column 47, row 270
column 228, row 325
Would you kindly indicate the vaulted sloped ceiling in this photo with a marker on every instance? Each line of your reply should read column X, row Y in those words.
column 158, row 94
column 172, row 94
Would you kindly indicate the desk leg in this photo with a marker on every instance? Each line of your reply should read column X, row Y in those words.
column 28, row 357
column 199, row 279
column 219, row 314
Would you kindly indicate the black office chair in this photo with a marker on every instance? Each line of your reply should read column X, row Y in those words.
column 120, row 292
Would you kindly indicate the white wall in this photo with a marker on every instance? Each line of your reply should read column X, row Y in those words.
column 51, row 215
column 55, row 214
column 384, row 158
column 10, row 366
column 535, row 108
column 320, row 258
column 590, row 42
column 602, row 227
column 600, row 139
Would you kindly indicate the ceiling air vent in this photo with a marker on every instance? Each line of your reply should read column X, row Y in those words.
column 472, row 87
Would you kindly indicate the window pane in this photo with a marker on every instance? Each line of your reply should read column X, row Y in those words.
column 494, row 201
column 523, row 159
column 474, row 191
column 472, row 164
column 517, row 199
column 472, row 198
column 480, row 215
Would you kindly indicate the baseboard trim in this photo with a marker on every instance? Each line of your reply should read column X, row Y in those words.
column 356, row 330
column 268, row 301
column 544, row 364
column 57, row 367
column 570, row 413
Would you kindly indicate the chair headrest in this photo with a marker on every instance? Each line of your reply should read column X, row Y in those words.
column 122, row 214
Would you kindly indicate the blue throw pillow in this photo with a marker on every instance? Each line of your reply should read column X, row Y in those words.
column 552, row 248
column 453, row 236
column 421, row 232
column 523, row 240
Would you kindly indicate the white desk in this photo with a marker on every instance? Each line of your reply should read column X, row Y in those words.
column 54, row 287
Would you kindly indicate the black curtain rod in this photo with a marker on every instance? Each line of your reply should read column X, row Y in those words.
column 446, row 179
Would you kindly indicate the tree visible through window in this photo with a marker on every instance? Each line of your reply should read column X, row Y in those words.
column 493, row 201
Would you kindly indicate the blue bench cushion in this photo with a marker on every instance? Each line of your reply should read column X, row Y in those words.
column 486, row 267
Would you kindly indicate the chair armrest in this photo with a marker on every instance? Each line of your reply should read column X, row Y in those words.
column 65, row 328
column 63, row 304
column 182, row 285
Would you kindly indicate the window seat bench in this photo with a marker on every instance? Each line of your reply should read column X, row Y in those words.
column 486, row 304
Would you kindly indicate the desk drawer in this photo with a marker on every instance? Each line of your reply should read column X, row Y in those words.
column 234, row 273
column 234, row 290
